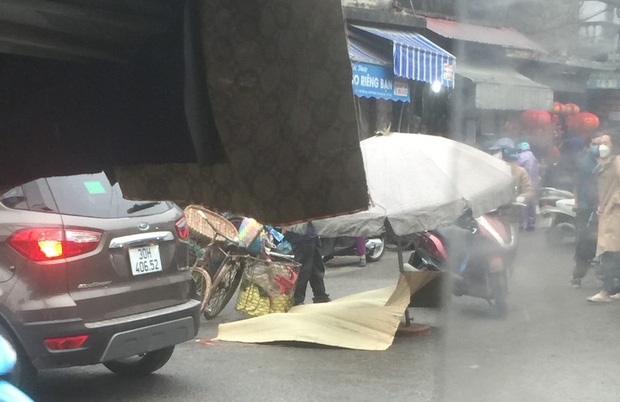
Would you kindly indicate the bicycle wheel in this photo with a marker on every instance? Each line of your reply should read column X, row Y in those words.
column 221, row 294
column 203, row 282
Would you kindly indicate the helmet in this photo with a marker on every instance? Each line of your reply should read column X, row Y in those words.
column 508, row 148
column 510, row 154
column 523, row 146
column 502, row 143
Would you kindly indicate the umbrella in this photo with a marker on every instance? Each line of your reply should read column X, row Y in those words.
column 419, row 182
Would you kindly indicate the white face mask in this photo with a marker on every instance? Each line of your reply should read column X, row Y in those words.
column 604, row 151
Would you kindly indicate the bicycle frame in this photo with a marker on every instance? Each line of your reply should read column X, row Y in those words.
column 231, row 258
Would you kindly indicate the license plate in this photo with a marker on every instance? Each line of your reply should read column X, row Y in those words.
column 144, row 260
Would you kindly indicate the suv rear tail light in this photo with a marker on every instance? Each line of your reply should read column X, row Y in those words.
column 65, row 343
column 51, row 244
column 182, row 228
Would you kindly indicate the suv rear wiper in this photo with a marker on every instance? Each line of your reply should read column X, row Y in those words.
column 140, row 207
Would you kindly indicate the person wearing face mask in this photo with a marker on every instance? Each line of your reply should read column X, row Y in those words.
column 586, row 202
column 608, row 245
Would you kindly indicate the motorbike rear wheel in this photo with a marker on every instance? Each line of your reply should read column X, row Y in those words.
column 377, row 252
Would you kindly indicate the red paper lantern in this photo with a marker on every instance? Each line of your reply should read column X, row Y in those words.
column 587, row 121
column 533, row 119
column 557, row 108
column 571, row 109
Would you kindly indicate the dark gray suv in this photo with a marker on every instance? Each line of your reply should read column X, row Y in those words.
column 88, row 277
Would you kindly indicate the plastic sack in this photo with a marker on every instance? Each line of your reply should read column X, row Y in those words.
column 266, row 287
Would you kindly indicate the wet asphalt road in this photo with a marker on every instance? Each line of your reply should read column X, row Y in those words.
column 553, row 346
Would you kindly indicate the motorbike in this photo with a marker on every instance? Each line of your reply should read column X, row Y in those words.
column 476, row 255
column 556, row 208
column 347, row 246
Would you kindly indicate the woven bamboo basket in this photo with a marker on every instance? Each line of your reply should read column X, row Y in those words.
column 200, row 219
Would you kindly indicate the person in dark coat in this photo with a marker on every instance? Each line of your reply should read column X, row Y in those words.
column 586, row 202
column 562, row 175
column 307, row 250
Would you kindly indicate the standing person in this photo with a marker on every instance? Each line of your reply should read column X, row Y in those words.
column 562, row 175
column 307, row 250
column 608, row 246
column 586, row 202
column 360, row 242
column 528, row 161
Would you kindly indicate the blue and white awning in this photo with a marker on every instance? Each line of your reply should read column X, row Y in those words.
column 360, row 53
column 416, row 57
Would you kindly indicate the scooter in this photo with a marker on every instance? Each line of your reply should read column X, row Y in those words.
column 476, row 255
column 347, row 246
column 556, row 209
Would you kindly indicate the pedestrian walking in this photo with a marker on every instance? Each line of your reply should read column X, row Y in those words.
column 586, row 203
column 528, row 161
column 608, row 245
column 307, row 250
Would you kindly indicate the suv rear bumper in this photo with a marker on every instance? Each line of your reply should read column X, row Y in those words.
column 111, row 339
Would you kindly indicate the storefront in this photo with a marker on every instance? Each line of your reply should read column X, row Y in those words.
column 604, row 97
column 489, row 89
column 486, row 97
column 378, row 92
column 419, row 68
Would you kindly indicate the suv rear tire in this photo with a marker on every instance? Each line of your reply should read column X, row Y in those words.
column 142, row 364
column 24, row 374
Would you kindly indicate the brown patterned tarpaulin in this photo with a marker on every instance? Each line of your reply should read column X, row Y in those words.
column 279, row 85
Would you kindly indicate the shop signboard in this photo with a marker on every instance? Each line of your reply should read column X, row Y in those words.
column 379, row 82
column 448, row 72
column 604, row 80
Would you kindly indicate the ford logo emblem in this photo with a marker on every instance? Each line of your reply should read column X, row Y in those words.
column 143, row 226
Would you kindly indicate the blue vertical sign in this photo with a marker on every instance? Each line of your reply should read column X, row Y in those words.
column 379, row 82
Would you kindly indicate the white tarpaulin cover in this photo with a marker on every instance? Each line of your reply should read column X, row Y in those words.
column 420, row 182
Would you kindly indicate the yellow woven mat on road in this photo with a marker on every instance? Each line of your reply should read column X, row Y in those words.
column 365, row 321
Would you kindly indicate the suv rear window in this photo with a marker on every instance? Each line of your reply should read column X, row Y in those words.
column 32, row 196
column 92, row 195
column 89, row 195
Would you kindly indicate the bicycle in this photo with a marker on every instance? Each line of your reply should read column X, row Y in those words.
column 223, row 259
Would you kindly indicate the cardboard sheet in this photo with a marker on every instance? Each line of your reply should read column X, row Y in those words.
column 365, row 321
